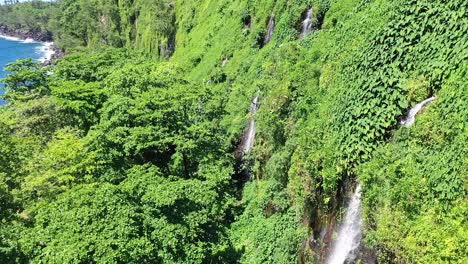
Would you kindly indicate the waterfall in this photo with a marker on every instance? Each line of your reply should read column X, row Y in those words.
column 250, row 134
column 349, row 233
column 270, row 29
column 307, row 23
column 410, row 118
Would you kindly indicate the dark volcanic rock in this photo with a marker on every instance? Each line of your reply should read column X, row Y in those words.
column 58, row 53
column 37, row 35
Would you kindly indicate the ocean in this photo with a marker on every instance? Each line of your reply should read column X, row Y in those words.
column 12, row 49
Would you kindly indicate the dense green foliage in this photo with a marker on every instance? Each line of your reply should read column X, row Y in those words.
column 114, row 156
column 416, row 184
column 31, row 16
column 146, row 25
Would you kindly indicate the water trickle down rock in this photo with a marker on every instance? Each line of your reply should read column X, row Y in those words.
column 349, row 233
column 224, row 62
column 270, row 29
column 410, row 118
column 249, row 136
column 307, row 23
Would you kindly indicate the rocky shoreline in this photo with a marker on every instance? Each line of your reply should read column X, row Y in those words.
column 36, row 35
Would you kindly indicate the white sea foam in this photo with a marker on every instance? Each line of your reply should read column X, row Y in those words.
column 46, row 50
column 10, row 38
column 29, row 40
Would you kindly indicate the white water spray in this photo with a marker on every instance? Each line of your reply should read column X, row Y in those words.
column 349, row 233
column 410, row 118
column 47, row 51
column 270, row 29
column 307, row 23
column 250, row 135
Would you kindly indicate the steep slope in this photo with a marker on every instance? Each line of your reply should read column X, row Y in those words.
column 134, row 154
column 327, row 101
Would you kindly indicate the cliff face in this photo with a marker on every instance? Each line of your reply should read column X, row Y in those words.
column 37, row 35
column 146, row 25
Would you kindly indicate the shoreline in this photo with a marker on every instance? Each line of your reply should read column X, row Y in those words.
column 49, row 51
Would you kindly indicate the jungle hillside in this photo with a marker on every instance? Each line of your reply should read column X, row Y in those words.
column 237, row 131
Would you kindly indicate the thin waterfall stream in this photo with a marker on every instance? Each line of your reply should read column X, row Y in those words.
column 307, row 24
column 349, row 232
column 245, row 147
column 250, row 133
column 411, row 117
column 345, row 248
column 270, row 29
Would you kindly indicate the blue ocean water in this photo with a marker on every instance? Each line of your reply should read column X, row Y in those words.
column 12, row 50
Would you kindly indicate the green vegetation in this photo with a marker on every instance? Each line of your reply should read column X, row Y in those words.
column 31, row 16
column 123, row 151
column 416, row 184
column 144, row 24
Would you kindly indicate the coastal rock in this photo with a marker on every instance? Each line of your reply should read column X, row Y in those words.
column 37, row 35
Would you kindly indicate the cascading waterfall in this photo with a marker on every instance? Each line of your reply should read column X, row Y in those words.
column 250, row 134
column 410, row 118
column 270, row 29
column 307, row 24
column 349, row 233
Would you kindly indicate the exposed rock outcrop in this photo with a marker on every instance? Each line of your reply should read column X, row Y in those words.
column 37, row 35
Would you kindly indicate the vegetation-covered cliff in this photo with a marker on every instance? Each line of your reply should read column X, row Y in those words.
column 127, row 150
